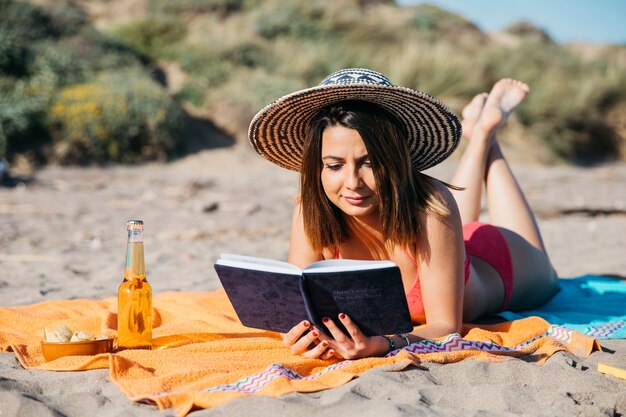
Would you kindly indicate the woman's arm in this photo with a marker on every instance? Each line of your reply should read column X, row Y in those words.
column 303, row 336
column 301, row 253
column 440, row 257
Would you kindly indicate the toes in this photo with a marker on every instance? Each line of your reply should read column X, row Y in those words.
column 480, row 98
column 516, row 83
column 474, row 106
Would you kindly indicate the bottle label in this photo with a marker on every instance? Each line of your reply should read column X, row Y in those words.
column 134, row 236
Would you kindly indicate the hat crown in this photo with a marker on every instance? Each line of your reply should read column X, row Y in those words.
column 279, row 131
column 356, row 76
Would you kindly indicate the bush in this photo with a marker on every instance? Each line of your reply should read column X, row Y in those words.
column 17, row 116
column 25, row 27
column 150, row 36
column 192, row 91
column 42, row 50
column 246, row 54
column 528, row 30
column 247, row 91
column 21, row 25
column 259, row 88
column 297, row 19
column 568, row 100
column 196, row 6
column 66, row 19
column 204, row 65
column 118, row 117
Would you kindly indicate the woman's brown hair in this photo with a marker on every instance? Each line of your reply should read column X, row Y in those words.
column 403, row 192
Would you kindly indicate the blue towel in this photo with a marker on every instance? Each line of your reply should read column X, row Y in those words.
column 592, row 305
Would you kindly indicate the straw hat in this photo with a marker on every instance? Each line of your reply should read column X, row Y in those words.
column 279, row 130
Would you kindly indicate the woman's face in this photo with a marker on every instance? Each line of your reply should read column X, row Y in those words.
column 347, row 176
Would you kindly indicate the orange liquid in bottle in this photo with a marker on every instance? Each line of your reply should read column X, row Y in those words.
column 134, row 302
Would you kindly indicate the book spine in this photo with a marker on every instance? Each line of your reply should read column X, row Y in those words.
column 310, row 311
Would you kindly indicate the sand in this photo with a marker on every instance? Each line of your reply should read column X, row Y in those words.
column 62, row 236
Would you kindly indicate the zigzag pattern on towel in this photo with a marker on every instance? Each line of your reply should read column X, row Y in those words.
column 451, row 343
column 604, row 330
column 560, row 333
column 254, row 383
column 455, row 342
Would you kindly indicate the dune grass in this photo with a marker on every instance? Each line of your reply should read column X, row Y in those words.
column 239, row 55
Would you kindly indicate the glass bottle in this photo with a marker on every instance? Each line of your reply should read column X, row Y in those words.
column 134, row 296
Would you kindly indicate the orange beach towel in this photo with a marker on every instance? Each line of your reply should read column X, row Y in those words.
column 203, row 356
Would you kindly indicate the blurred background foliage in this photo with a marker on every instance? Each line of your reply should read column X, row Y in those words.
column 113, row 80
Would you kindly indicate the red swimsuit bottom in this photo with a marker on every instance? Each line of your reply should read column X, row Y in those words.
column 483, row 241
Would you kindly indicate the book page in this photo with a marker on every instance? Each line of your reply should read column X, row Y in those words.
column 337, row 265
column 258, row 264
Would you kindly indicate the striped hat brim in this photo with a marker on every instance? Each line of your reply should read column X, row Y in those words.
column 278, row 132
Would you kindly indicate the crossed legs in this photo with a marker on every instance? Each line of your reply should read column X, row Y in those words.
column 483, row 166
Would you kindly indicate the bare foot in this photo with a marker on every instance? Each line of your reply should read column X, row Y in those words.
column 471, row 113
column 504, row 97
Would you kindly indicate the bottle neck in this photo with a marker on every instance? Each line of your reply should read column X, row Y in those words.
column 135, row 265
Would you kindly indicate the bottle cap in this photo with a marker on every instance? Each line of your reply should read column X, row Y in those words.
column 134, row 224
column 135, row 230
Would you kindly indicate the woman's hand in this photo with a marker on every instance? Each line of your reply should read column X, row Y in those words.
column 355, row 344
column 310, row 342
column 307, row 341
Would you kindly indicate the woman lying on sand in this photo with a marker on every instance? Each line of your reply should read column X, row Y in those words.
column 360, row 145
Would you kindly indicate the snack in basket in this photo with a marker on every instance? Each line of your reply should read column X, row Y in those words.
column 64, row 334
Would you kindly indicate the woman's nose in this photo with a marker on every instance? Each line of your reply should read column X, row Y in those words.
column 354, row 179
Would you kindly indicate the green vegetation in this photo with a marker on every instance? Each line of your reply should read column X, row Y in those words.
column 116, row 117
column 80, row 95
column 150, row 37
column 70, row 94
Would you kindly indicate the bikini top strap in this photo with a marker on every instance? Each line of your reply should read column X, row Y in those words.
column 411, row 257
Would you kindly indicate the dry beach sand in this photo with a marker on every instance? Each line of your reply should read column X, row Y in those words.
column 62, row 236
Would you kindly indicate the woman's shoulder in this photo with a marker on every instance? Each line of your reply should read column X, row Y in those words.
column 301, row 252
column 441, row 195
column 441, row 187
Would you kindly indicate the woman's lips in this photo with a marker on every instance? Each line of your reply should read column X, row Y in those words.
column 355, row 201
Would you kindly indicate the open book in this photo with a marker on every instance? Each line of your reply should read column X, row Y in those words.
column 275, row 295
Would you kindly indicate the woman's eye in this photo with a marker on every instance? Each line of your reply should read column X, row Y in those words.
column 367, row 163
column 333, row 167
